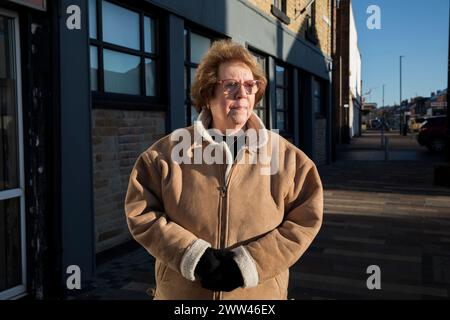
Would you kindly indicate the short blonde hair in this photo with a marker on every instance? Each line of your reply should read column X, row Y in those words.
column 207, row 73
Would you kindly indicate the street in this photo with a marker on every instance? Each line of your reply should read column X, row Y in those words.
column 383, row 213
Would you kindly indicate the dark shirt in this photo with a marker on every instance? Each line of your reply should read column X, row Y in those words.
column 234, row 142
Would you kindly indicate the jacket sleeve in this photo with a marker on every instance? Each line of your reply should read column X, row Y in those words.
column 150, row 226
column 280, row 248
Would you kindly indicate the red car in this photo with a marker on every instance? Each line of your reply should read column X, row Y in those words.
column 433, row 133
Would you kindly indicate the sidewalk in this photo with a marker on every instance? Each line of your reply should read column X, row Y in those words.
column 384, row 213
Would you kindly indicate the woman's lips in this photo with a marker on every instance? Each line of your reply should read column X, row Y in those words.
column 238, row 108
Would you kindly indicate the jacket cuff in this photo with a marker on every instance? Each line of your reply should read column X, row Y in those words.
column 247, row 266
column 191, row 258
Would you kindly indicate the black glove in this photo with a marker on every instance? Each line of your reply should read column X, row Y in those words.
column 226, row 277
column 208, row 263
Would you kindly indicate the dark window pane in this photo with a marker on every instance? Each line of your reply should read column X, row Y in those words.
column 281, row 121
column 193, row 72
column 260, row 108
column 185, row 80
column 280, row 99
column 185, row 44
column 149, row 34
column 316, row 88
column 10, row 244
column 261, row 103
column 9, row 139
column 121, row 72
column 280, row 75
column 120, row 26
column 94, row 68
column 318, row 105
column 194, row 114
column 93, row 19
column 317, row 97
column 199, row 46
column 261, row 114
column 150, row 72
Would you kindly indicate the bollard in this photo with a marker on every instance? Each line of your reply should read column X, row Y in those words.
column 386, row 148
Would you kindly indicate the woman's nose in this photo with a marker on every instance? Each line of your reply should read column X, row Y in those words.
column 241, row 92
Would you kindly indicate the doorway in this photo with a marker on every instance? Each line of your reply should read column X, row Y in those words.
column 12, row 197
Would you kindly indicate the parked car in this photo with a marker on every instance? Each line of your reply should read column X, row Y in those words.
column 432, row 133
column 414, row 124
column 379, row 124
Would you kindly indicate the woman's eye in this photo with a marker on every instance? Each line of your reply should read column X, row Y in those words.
column 231, row 85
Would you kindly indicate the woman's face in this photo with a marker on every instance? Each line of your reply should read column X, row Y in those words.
column 231, row 111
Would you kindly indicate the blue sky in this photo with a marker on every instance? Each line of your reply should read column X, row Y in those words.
column 416, row 29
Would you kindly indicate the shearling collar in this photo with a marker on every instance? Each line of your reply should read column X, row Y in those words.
column 202, row 124
column 252, row 145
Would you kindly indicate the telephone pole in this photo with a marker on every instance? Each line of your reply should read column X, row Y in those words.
column 402, row 113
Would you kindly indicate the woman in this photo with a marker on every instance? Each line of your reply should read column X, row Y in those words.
column 232, row 228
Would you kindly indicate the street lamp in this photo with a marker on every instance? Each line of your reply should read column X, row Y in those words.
column 402, row 113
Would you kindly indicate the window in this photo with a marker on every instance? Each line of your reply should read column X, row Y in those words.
column 311, row 31
column 261, row 109
column 318, row 100
column 123, row 53
column 280, row 5
column 12, row 185
column 282, row 110
column 195, row 47
column 279, row 10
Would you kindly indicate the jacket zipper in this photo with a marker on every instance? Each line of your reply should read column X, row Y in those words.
column 223, row 195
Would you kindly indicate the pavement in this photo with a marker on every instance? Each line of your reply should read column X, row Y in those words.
column 377, row 213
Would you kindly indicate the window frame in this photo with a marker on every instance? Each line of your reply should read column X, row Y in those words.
column 18, row 192
column 188, row 64
column 266, row 97
column 279, row 10
column 112, row 100
column 310, row 24
column 288, row 132
column 322, row 96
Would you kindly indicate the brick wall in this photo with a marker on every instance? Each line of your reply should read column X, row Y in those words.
column 118, row 137
column 298, row 25
column 320, row 146
column 341, row 89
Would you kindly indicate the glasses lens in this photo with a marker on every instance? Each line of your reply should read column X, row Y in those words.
column 231, row 86
column 251, row 87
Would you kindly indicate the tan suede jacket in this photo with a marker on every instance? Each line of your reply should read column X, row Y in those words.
column 268, row 211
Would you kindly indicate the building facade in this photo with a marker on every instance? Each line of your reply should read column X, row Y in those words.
column 87, row 85
column 347, row 79
column 436, row 105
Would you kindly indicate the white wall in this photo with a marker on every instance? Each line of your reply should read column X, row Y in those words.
column 355, row 77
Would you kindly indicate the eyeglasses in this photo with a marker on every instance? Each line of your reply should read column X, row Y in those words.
column 231, row 86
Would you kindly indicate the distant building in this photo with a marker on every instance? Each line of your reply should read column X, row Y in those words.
column 368, row 114
column 347, row 83
column 437, row 104
column 418, row 106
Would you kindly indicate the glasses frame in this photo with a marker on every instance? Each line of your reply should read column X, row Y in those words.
column 257, row 83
